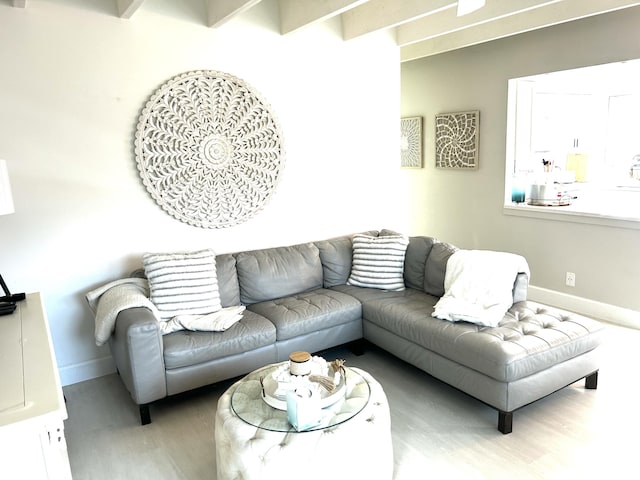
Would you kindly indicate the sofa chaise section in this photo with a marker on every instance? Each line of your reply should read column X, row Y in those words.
column 534, row 351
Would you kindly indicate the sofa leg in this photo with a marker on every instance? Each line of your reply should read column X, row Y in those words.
column 145, row 416
column 357, row 347
column 505, row 422
column 591, row 381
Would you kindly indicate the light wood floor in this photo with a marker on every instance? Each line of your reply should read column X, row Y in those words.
column 438, row 432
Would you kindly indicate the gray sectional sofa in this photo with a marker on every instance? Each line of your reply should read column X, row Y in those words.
column 297, row 298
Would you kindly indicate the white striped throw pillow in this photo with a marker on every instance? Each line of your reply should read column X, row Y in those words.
column 183, row 283
column 378, row 262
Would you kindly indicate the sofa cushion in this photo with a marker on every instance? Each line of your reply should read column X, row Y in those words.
column 278, row 272
column 227, row 280
column 309, row 312
column 363, row 294
column 335, row 255
column 183, row 283
column 378, row 262
column 436, row 268
column 415, row 261
column 186, row 348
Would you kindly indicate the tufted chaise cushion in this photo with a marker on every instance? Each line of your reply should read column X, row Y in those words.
column 358, row 448
column 531, row 337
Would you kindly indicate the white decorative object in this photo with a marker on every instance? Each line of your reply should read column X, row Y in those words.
column 411, row 142
column 277, row 385
column 209, row 150
column 457, row 140
column 300, row 363
column 303, row 409
column 359, row 447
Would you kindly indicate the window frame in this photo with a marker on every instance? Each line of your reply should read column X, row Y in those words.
column 598, row 213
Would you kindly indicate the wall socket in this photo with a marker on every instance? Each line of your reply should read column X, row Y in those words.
column 570, row 279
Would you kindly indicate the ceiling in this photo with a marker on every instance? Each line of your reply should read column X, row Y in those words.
column 421, row 27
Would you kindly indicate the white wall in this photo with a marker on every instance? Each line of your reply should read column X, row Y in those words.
column 73, row 80
column 465, row 207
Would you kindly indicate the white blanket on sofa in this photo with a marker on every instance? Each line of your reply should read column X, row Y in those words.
column 107, row 301
column 213, row 322
column 479, row 286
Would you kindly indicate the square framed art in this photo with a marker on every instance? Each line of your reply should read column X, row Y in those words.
column 457, row 140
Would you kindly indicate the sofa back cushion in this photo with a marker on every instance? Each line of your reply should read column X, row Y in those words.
column 278, row 272
column 415, row 261
column 227, row 280
column 436, row 268
column 335, row 255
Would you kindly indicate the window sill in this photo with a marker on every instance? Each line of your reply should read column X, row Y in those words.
column 576, row 214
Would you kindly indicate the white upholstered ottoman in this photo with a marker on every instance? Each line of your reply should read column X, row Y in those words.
column 359, row 447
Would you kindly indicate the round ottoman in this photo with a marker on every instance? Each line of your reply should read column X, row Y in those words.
column 357, row 448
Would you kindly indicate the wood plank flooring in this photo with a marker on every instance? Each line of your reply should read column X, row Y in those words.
column 438, row 432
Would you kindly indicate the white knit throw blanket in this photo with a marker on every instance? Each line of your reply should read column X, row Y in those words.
column 479, row 286
column 108, row 301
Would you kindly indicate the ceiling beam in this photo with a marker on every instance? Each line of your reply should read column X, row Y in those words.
column 221, row 11
column 381, row 14
column 126, row 8
column 295, row 14
column 447, row 21
column 553, row 14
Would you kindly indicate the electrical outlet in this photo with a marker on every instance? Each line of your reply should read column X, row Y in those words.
column 571, row 279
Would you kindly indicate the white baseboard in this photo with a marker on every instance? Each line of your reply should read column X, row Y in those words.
column 86, row 370
column 601, row 311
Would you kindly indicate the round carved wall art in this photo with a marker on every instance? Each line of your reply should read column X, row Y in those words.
column 209, row 150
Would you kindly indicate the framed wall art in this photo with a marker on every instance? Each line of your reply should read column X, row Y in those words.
column 457, row 140
column 209, row 149
column 411, row 142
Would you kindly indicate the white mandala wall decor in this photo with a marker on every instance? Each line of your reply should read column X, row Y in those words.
column 457, row 140
column 411, row 142
column 209, row 149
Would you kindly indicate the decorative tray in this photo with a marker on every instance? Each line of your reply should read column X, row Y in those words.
column 277, row 383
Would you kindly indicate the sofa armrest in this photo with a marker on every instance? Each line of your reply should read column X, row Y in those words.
column 136, row 346
column 520, row 288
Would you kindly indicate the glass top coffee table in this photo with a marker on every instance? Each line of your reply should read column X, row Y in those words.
column 249, row 403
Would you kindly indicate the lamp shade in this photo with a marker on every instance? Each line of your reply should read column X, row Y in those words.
column 6, row 199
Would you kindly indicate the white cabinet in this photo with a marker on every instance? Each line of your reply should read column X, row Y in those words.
column 32, row 409
column 563, row 122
